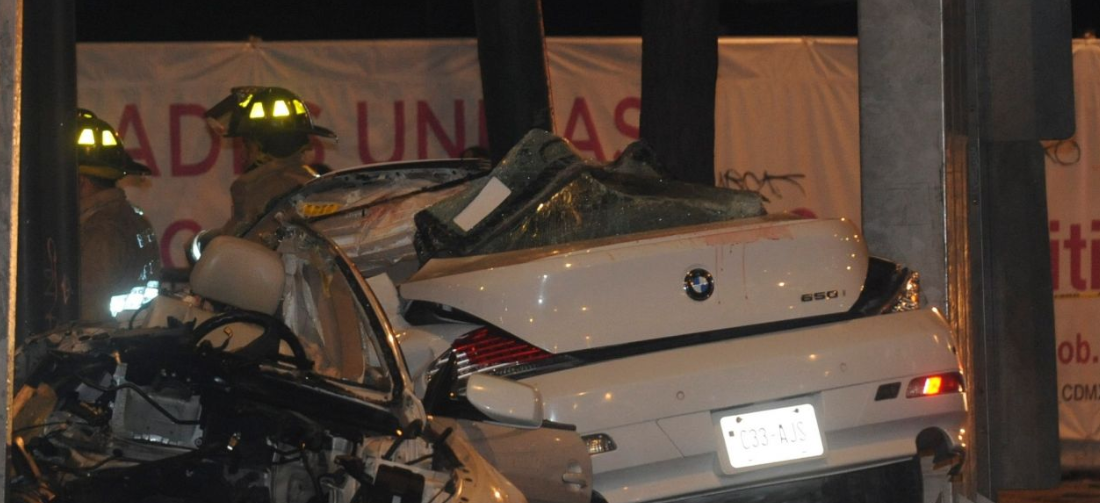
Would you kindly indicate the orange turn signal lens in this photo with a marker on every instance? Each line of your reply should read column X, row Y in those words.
column 937, row 384
column 932, row 385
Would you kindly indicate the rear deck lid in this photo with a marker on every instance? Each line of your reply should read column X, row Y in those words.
column 655, row 284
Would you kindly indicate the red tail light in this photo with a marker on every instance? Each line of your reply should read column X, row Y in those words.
column 484, row 349
column 937, row 384
column 490, row 350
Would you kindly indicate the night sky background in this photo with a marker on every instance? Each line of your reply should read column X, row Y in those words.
column 274, row 20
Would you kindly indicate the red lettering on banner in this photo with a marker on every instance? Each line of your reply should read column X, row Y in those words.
column 144, row 151
column 1055, row 255
column 1084, row 351
column 176, row 112
column 1079, row 351
column 628, row 130
column 1084, row 267
column 631, row 131
column 592, row 143
column 425, row 119
column 1075, row 245
column 1095, row 263
column 169, row 236
column 315, row 142
column 363, row 125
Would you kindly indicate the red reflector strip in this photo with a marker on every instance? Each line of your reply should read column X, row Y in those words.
column 937, row 384
column 482, row 348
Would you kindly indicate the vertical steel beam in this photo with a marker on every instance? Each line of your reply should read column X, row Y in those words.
column 48, row 209
column 1014, row 313
column 1021, row 74
column 679, row 76
column 11, row 61
column 961, row 190
column 515, row 82
column 1024, row 61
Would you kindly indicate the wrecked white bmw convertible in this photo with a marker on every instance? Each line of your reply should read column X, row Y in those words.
column 702, row 347
column 279, row 381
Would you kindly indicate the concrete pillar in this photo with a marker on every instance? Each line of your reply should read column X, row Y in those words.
column 902, row 125
column 11, row 52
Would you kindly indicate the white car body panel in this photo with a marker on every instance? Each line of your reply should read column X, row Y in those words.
column 661, row 408
column 614, row 306
column 505, row 400
column 422, row 345
column 812, row 359
column 479, row 480
column 570, row 299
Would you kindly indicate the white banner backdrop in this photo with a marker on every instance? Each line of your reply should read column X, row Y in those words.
column 786, row 118
column 787, row 112
column 1073, row 190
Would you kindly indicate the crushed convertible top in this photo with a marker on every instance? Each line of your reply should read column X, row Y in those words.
column 544, row 193
column 368, row 212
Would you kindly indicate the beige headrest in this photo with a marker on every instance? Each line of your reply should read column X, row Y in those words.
column 240, row 273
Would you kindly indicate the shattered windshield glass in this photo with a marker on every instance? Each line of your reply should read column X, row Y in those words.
column 321, row 308
column 544, row 193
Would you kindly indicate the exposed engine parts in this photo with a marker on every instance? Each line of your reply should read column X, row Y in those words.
column 150, row 416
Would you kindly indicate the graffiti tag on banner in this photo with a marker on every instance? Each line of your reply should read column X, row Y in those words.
column 1062, row 152
column 763, row 184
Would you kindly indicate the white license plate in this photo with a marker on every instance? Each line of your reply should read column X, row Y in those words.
column 771, row 436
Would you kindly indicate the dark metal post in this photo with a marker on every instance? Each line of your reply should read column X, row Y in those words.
column 1013, row 344
column 679, row 75
column 1021, row 71
column 514, row 80
column 48, row 207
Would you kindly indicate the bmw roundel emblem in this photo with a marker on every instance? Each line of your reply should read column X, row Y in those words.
column 699, row 284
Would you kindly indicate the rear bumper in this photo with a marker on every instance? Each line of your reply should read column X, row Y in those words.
column 847, row 450
column 661, row 409
column 673, row 478
column 898, row 482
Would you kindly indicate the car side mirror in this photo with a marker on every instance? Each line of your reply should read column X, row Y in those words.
column 509, row 402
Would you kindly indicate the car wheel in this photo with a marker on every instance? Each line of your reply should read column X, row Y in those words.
column 896, row 483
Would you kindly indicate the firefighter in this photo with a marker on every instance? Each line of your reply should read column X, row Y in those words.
column 118, row 248
column 275, row 126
